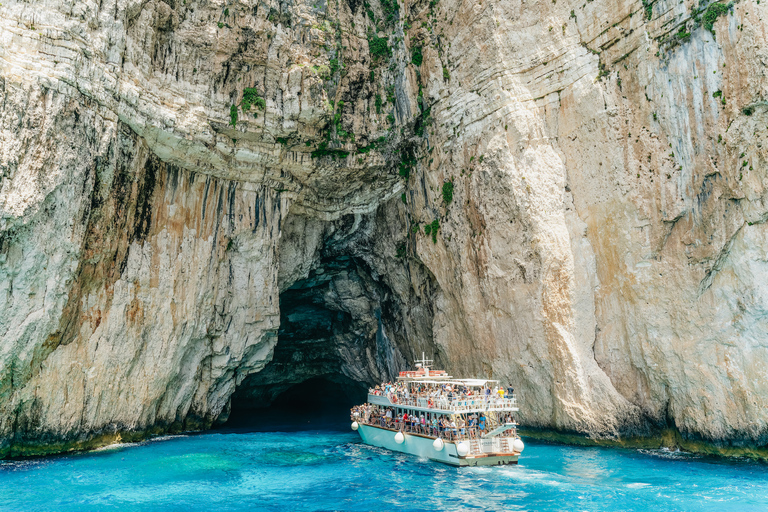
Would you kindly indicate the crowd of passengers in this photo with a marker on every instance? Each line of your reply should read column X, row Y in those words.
column 457, row 426
column 403, row 393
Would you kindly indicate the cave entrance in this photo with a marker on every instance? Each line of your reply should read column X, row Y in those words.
column 332, row 345
column 317, row 403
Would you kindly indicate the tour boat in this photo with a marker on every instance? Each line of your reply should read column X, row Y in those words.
column 426, row 412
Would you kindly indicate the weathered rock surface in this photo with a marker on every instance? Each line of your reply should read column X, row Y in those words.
column 203, row 201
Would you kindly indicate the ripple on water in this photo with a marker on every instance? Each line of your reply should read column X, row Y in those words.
column 293, row 458
column 311, row 471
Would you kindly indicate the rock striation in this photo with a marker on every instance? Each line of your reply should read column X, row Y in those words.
column 205, row 201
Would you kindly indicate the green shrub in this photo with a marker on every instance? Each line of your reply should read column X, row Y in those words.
column 406, row 165
column 391, row 94
column 402, row 196
column 337, row 115
column 446, row 74
column 447, row 192
column 322, row 150
column 416, row 56
column 233, row 115
column 378, row 47
column 648, row 8
column 714, row 11
column 390, row 8
column 251, row 97
column 365, row 149
column 333, row 66
column 378, row 103
column 433, row 228
column 718, row 93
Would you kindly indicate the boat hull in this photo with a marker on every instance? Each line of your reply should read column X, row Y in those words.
column 421, row 446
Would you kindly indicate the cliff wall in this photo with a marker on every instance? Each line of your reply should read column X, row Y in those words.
column 202, row 200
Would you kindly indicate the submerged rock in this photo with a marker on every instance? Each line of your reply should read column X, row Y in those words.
column 203, row 202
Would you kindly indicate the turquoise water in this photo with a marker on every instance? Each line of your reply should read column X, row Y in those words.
column 330, row 470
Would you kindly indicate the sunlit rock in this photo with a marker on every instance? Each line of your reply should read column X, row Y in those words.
column 206, row 202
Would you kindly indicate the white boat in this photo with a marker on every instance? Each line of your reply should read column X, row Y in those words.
column 427, row 413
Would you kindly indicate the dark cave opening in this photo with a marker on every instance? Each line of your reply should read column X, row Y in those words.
column 332, row 345
column 317, row 403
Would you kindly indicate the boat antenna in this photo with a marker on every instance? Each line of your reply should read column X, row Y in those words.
column 423, row 362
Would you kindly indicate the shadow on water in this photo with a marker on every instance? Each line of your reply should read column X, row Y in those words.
column 316, row 404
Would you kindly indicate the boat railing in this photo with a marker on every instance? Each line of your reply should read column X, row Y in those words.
column 453, row 404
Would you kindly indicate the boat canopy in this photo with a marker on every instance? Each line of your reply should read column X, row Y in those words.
column 432, row 381
column 477, row 382
column 456, row 382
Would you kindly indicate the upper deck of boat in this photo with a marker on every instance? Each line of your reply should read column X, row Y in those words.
column 463, row 404
column 477, row 400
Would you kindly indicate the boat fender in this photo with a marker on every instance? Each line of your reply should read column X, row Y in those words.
column 518, row 445
column 438, row 444
column 354, row 425
column 462, row 449
column 399, row 438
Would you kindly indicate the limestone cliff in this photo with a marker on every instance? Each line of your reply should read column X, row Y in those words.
column 207, row 201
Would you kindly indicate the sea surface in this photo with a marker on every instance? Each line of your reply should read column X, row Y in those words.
column 303, row 470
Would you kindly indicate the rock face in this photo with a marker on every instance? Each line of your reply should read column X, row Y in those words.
column 208, row 201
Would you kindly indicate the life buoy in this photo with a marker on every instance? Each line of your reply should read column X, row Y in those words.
column 430, row 404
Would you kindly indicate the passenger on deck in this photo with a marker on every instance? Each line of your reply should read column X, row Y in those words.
column 460, row 424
